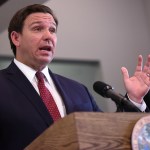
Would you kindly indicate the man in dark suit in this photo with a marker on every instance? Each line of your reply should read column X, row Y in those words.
column 23, row 114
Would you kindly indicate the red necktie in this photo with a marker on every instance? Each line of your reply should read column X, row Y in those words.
column 47, row 97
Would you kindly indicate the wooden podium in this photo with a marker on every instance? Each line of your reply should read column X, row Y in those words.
column 89, row 131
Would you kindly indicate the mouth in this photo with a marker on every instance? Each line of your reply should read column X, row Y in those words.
column 46, row 48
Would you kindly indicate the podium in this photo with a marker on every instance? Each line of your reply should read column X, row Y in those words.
column 89, row 131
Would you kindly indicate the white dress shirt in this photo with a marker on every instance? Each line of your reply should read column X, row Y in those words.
column 30, row 74
column 141, row 106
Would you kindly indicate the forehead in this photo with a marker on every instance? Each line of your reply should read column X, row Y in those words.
column 39, row 17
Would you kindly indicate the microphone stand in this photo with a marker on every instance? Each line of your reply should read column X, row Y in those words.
column 125, row 104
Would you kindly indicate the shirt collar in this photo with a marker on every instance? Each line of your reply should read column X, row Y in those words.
column 29, row 72
column 45, row 71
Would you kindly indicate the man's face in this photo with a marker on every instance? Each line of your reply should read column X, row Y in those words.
column 36, row 44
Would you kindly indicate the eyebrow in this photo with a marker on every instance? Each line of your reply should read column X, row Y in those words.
column 40, row 22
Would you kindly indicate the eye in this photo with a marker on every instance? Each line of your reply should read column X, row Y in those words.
column 38, row 28
column 52, row 30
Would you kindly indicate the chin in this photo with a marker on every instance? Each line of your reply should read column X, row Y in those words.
column 46, row 61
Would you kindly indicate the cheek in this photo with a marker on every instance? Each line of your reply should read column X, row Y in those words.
column 55, row 40
column 30, row 44
column 34, row 38
column 34, row 41
column 31, row 37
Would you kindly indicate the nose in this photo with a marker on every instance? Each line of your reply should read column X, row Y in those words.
column 47, row 36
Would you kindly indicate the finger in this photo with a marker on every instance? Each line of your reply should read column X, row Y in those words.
column 148, row 61
column 145, row 78
column 146, row 68
column 140, row 63
column 125, row 73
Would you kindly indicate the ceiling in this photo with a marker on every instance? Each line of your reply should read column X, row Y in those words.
column 9, row 7
column 2, row 2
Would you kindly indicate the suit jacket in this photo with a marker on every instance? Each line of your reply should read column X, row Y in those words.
column 23, row 115
column 132, row 108
column 147, row 101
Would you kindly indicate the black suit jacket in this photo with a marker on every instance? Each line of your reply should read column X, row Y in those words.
column 23, row 115
column 132, row 108
column 147, row 101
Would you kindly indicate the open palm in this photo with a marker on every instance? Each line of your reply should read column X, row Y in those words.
column 138, row 85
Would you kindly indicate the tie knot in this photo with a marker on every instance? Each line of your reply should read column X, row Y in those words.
column 39, row 75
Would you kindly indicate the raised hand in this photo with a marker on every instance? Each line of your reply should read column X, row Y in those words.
column 138, row 85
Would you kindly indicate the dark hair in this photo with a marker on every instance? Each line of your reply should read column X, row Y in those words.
column 17, row 21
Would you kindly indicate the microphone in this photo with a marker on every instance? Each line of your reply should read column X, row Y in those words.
column 107, row 91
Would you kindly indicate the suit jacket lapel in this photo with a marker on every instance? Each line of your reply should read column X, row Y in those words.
column 24, row 86
column 68, row 103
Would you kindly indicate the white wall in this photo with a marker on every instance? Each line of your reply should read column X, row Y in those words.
column 114, row 32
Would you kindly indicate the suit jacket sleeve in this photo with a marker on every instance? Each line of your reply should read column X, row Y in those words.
column 127, row 109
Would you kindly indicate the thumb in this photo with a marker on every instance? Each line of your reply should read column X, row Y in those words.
column 125, row 73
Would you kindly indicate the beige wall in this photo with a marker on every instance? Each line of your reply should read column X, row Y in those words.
column 113, row 32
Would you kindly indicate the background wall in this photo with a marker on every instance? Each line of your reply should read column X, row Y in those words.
column 113, row 32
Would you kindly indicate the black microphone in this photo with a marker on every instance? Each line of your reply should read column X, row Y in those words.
column 107, row 91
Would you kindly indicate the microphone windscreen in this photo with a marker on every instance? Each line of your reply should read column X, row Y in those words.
column 101, row 88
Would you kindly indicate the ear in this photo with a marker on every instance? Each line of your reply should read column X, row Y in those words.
column 15, row 37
